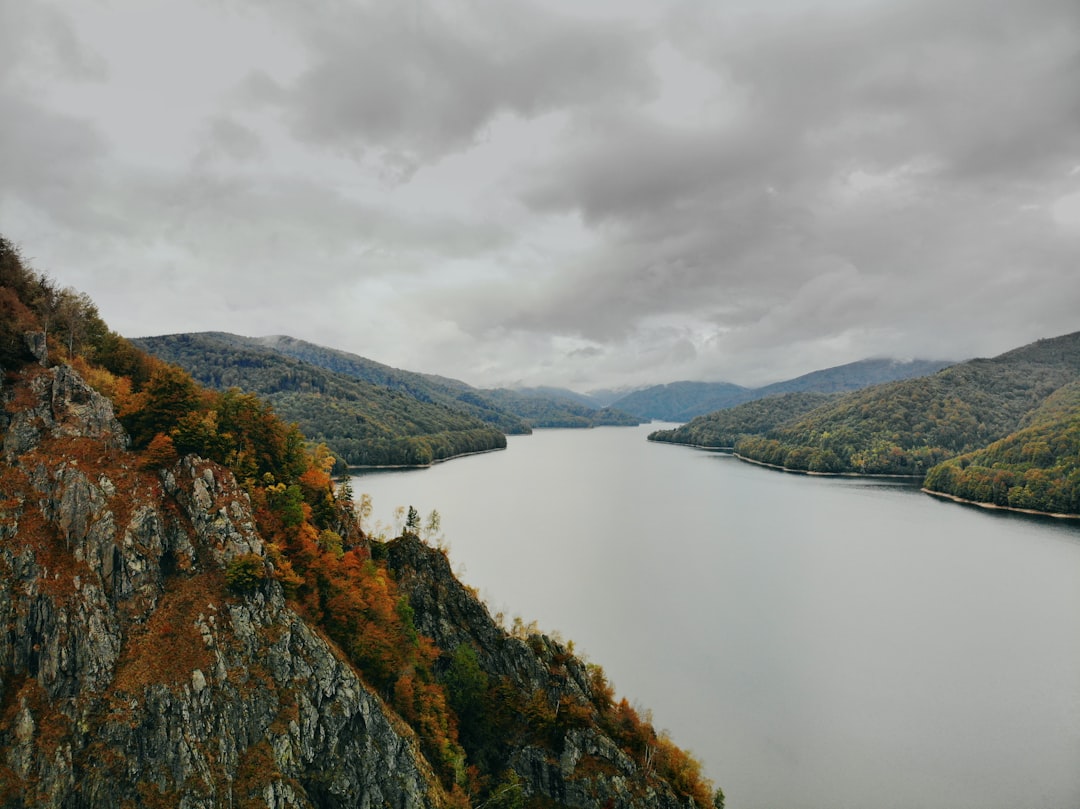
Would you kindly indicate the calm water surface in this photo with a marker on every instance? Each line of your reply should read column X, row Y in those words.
column 817, row 643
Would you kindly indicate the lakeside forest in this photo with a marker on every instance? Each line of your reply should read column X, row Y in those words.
column 1003, row 431
column 140, row 499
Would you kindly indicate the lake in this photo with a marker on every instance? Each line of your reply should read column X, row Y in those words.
column 816, row 642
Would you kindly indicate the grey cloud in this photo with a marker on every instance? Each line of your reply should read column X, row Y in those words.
column 626, row 165
column 418, row 81
column 985, row 85
column 835, row 179
column 310, row 238
column 49, row 161
column 587, row 352
column 955, row 113
column 229, row 138
column 38, row 38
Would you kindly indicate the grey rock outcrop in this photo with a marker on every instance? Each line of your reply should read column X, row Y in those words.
column 61, row 405
column 129, row 674
column 38, row 346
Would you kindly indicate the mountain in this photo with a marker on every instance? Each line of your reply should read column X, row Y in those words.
column 540, row 409
column 909, row 426
column 605, row 397
column 548, row 392
column 193, row 617
column 426, row 388
column 364, row 424
column 682, row 401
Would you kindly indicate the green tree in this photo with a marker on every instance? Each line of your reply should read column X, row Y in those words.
column 412, row 522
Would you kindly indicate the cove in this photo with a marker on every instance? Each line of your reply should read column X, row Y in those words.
column 816, row 642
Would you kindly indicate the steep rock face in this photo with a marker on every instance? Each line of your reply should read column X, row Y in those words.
column 581, row 766
column 59, row 403
column 129, row 674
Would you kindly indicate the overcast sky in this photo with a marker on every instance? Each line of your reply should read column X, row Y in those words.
column 581, row 193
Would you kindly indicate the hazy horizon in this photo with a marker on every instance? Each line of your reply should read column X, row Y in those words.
column 541, row 384
column 589, row 194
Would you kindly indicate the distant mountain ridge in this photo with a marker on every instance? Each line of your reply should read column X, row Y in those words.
column 682, row 401
column 679, row 401
column 550, row 407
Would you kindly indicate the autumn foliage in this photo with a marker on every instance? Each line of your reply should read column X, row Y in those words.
column 315, row 550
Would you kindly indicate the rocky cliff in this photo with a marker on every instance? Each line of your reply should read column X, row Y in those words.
column 132, row 675
column 129, row 674
column 562, row 753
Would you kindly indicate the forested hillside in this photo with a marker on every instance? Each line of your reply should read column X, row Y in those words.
column 1037, row 467
column 855, row 376
column 270, row 367
column 452, row 393
column 909, row 426
column 682, row 401
column 1004, row 431
column 516, row 411
column 726, row 427
column 364, row 424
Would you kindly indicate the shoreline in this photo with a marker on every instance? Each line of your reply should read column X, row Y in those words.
column 827, row 474
column 996, row 507
column 725, row 450
column 943, row 495
column 731, row 451
column 423, row 465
